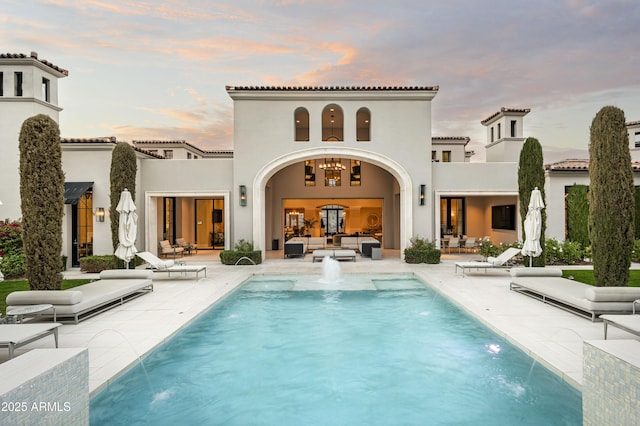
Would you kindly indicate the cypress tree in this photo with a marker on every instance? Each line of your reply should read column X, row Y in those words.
column 578, row 214
column 42, row 201
column 530, row 176
column 611, row 198
column 123, row 175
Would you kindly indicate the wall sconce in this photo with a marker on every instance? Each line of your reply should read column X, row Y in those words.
column 100, row 214
column 423, row 189
column 243, row 195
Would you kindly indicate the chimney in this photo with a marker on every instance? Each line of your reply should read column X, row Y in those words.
column 34, row 55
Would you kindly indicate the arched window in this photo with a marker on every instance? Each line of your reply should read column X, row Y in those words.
column 363, row 125
column 301, row 123
column 332, row 123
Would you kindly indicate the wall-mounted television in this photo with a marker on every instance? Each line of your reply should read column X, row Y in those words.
column 503, row 217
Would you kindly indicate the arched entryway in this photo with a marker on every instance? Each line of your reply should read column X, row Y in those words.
column 392, row 167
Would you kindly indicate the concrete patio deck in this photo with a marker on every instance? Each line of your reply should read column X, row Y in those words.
column 118, row 338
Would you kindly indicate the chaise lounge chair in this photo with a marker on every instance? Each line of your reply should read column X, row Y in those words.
column 502, row 261
column 628, row 323
column 169, row 266
column 13, row 336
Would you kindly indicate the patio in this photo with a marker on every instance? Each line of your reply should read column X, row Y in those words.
column 118, row 337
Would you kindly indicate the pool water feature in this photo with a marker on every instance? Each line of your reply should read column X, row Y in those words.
column 283, row 350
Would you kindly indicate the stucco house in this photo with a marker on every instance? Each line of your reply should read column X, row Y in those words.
column 314, row 160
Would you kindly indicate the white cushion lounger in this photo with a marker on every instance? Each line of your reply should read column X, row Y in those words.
column 502, row 261
column 13, row 336
column 170, row 265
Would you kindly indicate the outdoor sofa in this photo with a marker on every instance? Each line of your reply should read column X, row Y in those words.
column 547, row 285
column 114, row 287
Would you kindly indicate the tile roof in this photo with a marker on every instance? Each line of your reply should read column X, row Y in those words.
column 34, row 55
column 182, row 142
column 577, row 164
column 168, row 142
column 633, row 123
column 464, row 139
column 334, row 88
column 503, row 110
column 106, row 139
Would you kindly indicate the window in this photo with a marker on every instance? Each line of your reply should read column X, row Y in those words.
column 636, row 139
column 433, row 156
column 513, row 128
column 188, row 156
column 45, row 90
column 1, row 84
column 301, row 122
column 310, row 173
column 452, row 216
column 18, row 84
column 168, row 153
column 332, row 123
column 499, row 133
column 153, row 151
column 363, row 125
column 332, row 177
column 446, row 156
column 195, row 157
column 356, row 177
column 491, row 134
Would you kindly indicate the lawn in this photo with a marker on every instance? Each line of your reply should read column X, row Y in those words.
column 7, row 287
column 586, row 276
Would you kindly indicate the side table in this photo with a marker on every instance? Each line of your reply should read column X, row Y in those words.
column 18, row 314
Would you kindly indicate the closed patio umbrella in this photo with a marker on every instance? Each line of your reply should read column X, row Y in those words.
column 533, row 226
column 127, row 228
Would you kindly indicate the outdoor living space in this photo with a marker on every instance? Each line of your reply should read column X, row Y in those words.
column 120, row 337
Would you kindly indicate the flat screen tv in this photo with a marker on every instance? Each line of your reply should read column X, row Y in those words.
column 503, row 217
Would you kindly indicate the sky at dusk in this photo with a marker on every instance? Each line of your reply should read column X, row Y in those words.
column 158, row 69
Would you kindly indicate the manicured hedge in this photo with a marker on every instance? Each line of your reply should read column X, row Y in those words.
column 230, row 257
column 422, row 256
column 100, row 263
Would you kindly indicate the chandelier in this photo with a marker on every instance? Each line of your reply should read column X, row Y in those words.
column 332, row 165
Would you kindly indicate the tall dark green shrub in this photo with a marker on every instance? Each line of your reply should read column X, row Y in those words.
column 578, row 215
column 123, row 175
column 611, row 198
column 530, row 176
column 42, row 201
column 637, row 214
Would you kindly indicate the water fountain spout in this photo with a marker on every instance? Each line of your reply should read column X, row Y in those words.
column 331, row 272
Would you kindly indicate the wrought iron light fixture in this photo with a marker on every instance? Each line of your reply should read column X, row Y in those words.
column 423, row 189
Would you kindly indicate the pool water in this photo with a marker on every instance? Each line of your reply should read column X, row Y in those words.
column 397, row 354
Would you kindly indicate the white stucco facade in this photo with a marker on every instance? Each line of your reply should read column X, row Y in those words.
column 397, row 179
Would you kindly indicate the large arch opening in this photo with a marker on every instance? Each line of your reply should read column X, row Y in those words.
column 269, row 219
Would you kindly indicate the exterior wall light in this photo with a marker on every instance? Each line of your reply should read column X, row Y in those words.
column 423, row 189
column 243, row 195
column 100, row 214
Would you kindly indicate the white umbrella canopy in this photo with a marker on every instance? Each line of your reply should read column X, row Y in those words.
column 533, row 226
column 127, row 228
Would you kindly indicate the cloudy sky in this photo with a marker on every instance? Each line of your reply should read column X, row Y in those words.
column 158, row 69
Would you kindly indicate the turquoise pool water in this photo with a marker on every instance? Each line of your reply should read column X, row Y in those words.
column 398, row 353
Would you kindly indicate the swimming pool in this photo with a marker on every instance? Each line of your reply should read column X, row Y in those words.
column 394, row 352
